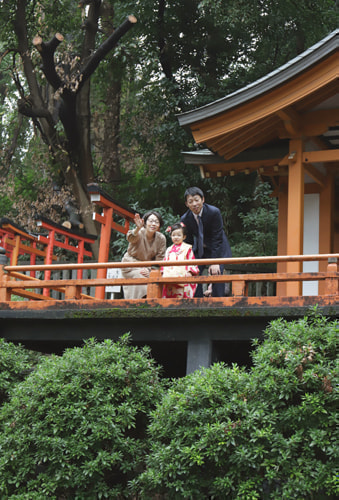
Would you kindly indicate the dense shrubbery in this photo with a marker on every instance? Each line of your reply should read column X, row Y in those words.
column 15, row 363
column 269, row 433
column 75, row 428
column 296, row 373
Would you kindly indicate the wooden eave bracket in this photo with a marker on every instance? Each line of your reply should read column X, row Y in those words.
column 291, row 121
column 317, row 176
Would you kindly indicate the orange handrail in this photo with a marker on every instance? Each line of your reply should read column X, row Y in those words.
column 11, row 282
column 198, row 262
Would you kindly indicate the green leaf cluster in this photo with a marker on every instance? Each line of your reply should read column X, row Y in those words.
column 258, row 216
column 270, row 433
column 76, row 427
column 15, row 364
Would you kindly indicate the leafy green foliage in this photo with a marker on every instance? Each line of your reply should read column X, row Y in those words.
column 296, row 373
column 16, row 362
column 75, row 428
column 193, row 429
column 269, row 433
column 259, row 217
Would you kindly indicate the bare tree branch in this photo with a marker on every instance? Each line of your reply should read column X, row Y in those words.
column 106, row 47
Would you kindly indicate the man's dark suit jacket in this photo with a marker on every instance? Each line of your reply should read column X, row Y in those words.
column 216, row 244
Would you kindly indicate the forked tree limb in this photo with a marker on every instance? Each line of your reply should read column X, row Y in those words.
column 47, row 51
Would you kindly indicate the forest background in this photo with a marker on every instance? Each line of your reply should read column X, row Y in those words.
column 90, row 95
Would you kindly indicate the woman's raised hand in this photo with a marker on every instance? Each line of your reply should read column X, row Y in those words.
column 139, row 222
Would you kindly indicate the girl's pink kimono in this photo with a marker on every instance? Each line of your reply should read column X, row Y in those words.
column 185, row 290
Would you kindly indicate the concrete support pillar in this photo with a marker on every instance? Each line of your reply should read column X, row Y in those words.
column 199, row 354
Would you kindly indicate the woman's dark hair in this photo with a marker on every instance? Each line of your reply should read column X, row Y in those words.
column 193, row 191
column 179, row 225
column 157, row 215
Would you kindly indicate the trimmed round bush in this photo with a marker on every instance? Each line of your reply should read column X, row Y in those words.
column 195, row 430
column 269, row 433
column 75, row 428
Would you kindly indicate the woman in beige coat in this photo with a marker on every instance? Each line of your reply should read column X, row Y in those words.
column 145, row 243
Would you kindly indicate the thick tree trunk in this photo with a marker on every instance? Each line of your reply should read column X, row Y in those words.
column 85, row 206
column 111, row 134
column 110, row 131
column 74, row 157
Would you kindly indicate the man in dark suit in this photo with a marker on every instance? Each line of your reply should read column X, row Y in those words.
column 206, row 234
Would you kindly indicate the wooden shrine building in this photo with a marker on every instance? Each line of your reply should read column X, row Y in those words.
column 284, row 126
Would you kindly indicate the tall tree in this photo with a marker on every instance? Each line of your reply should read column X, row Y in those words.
column 64, row 94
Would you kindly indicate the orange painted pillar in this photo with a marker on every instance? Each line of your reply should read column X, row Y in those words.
column 282, row 232
column 105, row 238
column 81, row 246
column 326, row 205
column 295, row 212
column 49, row 259
column 32, row 260
column 15, row 251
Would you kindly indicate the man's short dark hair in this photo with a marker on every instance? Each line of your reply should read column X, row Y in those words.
column 193, row 191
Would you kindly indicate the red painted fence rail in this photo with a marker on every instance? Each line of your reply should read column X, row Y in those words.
column 15, row 283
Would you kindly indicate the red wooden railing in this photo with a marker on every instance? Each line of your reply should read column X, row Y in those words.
column 14, row 282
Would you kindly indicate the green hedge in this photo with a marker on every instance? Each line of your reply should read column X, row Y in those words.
column 75, row 428
column 270, row 433
column 16, row 363
column 98, row 422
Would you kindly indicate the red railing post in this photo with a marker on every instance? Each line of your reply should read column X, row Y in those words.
column 332, row 284
column 5, row 295
column 239, row 288
column 154, row 290
column 72, row 292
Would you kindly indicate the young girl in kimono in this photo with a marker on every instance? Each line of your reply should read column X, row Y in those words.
column 179, row 251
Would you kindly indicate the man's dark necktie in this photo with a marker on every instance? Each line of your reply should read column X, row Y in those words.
column 200, row 238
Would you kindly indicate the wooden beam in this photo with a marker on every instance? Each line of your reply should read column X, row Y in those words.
column 240, row 166
column 16, row 230
column 247, row 138
column 102, row 201
column 309, row 124
column 324, row 156
column 280, row 98
column 315, row 174
column 312, row 188
column 315, row 123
